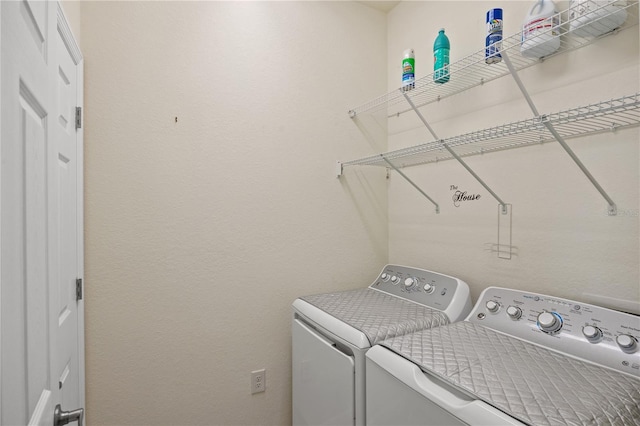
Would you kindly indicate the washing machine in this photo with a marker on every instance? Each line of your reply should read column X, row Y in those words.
column 331, row 333
column 518, row 358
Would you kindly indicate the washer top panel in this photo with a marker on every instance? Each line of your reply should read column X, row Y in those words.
column 378, row 315
column 531, row 383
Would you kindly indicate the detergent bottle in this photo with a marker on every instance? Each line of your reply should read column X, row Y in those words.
column 441, row 49
column 540, row 30
column 594, row 18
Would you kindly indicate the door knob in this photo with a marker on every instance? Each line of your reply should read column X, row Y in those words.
column 61, row 418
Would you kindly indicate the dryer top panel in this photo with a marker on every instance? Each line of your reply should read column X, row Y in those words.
column 378, row 315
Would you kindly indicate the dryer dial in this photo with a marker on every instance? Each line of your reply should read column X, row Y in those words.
column 492, row 306
column 410, row 283
column 514, row 312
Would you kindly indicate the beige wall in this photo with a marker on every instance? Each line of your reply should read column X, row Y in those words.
column 201, row 232
column 566, row 243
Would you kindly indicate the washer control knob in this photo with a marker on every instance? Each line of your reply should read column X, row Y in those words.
column 395, row 279
column 492, row 306
column 428, row 288
column 549, row 322
column 593, row 334
column 410, row 283
column 514, row 312
column 627, row 343
column 384, row 277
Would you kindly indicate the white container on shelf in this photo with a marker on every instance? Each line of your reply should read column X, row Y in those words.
column 588, row 18
column 540, row 30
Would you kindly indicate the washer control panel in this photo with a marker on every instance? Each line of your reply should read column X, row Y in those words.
column 438, row 291
column 589, row 332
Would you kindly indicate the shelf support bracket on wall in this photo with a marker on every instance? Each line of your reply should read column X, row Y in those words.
column 456, row 156
column 613, row 210
column 410, row 181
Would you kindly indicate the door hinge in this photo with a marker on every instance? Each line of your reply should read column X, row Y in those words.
column 78, row 289
column 78, row 118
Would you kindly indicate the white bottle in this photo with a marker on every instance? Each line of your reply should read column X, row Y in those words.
column 594, row 18
column 541, row 30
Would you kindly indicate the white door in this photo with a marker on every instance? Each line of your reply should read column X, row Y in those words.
column 33, row 198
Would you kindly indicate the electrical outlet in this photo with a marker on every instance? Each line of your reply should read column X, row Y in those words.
column 258, row 381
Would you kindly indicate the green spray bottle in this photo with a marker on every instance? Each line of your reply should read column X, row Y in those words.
column 441, row 58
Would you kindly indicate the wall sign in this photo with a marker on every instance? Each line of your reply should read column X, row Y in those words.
column 462, row 196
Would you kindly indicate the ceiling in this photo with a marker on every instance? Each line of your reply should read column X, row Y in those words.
column 384, row 6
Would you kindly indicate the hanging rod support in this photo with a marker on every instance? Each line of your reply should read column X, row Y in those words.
column 456, row 156
column 411, row 182
column 613, row 210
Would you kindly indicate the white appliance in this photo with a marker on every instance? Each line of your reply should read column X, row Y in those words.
column 331, row 333
column 518, row 358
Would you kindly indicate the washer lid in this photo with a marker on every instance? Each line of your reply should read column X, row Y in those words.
column 378, row 315
column 534, row 384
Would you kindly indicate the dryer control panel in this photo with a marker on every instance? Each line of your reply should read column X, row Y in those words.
column 438, row 291
column 592, row 333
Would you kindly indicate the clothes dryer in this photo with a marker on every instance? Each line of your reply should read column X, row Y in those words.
column 518, row 358
column 331, row 333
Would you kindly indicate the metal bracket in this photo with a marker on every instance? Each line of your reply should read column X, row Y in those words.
column 453, row 153
column 470, row 170
column 543, row 119
column 505, row 247
column 411, row 182
column 78, row 289
column 78, row 118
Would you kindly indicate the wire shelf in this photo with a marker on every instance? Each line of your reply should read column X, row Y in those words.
column 606, row 116
column 471, row 71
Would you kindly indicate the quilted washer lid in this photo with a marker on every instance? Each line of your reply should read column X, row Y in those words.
column 378, row 315
column 531, row 383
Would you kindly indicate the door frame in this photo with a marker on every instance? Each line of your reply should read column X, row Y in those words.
column 0, row 204
column 71, row 44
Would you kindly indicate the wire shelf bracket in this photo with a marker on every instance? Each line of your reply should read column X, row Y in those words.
column 411, row 182
column 612, row 209
column 454, row 155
